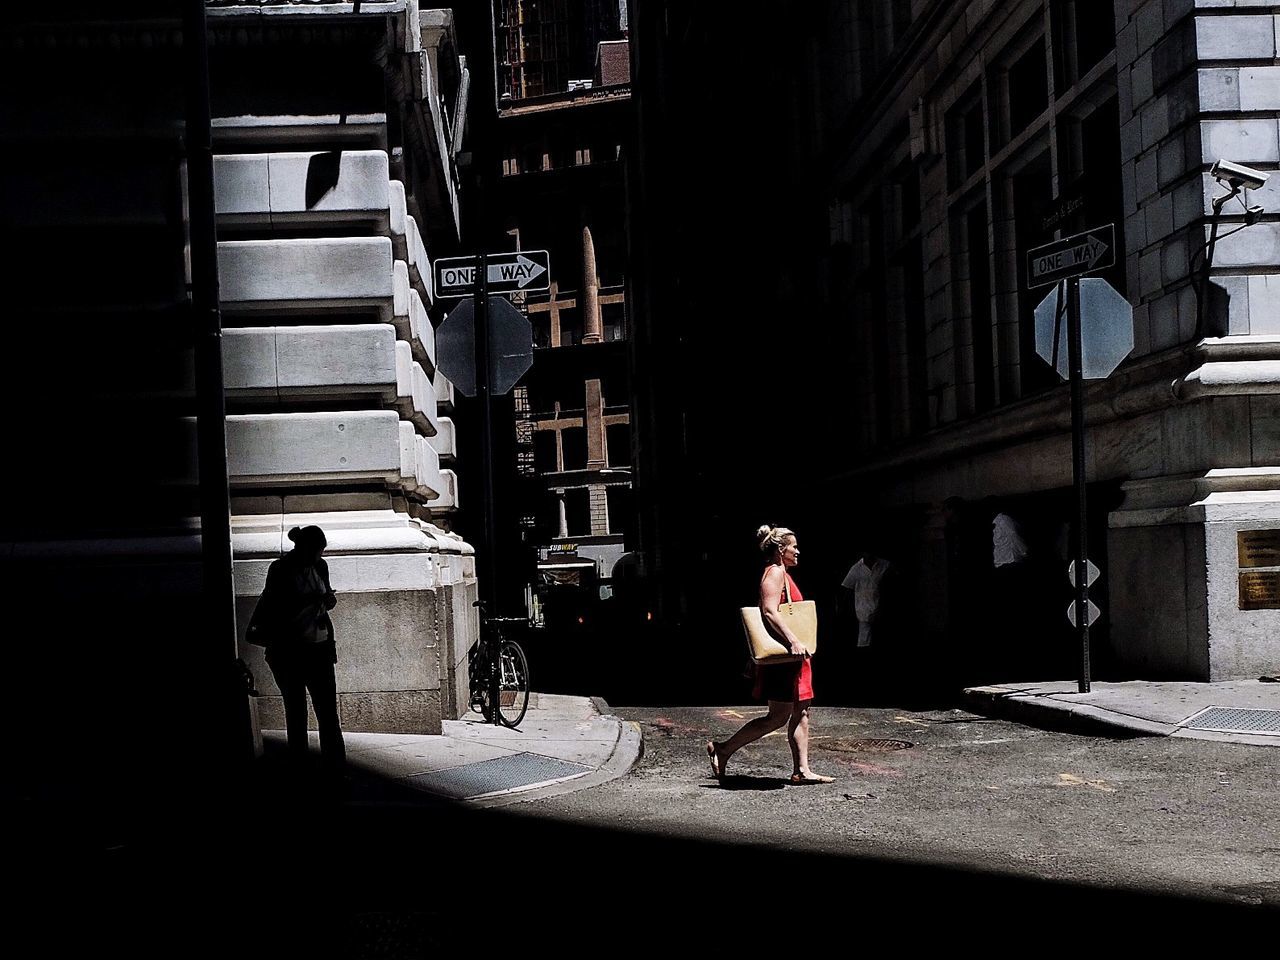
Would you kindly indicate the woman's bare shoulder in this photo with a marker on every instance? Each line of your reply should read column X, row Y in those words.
column 771, row 579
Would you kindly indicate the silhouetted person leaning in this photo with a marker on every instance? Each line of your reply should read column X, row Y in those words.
column 292, row 621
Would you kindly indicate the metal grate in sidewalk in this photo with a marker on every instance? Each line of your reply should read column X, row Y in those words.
column 1235, row 720
column 494, row 776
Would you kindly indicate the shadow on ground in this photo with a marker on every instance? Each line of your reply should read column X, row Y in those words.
column 378, row 871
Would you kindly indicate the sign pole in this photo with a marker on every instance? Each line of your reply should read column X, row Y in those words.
column 1065, row 262
column 1076, row 361
column 489, row 569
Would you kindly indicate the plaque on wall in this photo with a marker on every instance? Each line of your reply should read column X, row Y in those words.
column 1260, row 590
column 1258, row 548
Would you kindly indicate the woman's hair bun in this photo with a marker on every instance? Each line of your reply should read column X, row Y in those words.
column 772, row 538
column 309, row 538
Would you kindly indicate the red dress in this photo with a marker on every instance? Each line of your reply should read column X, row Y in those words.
column 790, row 681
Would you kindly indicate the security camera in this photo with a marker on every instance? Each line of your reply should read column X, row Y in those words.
column 1237, row 175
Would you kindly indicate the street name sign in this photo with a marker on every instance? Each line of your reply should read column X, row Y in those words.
column 1065, row 207
column 515, row 272
column 1072, row 257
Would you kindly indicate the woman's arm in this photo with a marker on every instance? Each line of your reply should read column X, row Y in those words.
column 770, row 591
column 263, row 620
column 330, row 599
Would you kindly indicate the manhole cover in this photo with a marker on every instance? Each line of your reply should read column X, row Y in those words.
column 1235, row 720
column 863, row 745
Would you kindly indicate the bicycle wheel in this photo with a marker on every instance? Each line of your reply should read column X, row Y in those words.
column 513, row 690
column 478, row 669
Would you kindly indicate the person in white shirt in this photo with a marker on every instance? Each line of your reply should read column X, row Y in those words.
column 862, row 586
column 1008, row 541
column 1013, row 613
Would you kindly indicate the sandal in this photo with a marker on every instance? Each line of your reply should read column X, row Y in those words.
column 713, row 759
column 799, row 778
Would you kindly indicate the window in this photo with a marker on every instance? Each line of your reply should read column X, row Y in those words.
column 544, row 451
column 1089, row 153
column 541, row 324
column 911, row 265
column 1018, row 110
column 909, row 201
column 1028, row 89
column 531, row 157
column 901, row 18
column 867, row 53
column 618, row 442
column 573, row 442
column 873, row 281
column 1078, row 44
column 1032, row 194
column 570, row 326
column 1018, row 86
column 621, row 511
column 577, row 510
column 548, row 516
column 972, row 264
column 966, row 151
column 614, row 318
column 900, row 349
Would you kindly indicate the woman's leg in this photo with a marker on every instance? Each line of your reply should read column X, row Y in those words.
column 324, row 699
column 798, row 738
column 750, row 731
column 293, row 690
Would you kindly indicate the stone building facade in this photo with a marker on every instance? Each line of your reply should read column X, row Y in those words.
column 334, row 176
column 960, row 135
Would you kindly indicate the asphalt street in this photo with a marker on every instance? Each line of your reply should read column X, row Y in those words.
column 1156, row 816
column 979, row 830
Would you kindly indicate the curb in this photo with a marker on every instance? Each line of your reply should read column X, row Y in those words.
column 1042, row 711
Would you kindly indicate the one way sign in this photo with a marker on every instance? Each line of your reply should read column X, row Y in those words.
column 521, row 270
column 1072, row 256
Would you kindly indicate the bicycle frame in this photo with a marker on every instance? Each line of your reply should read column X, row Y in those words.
column 497, row 674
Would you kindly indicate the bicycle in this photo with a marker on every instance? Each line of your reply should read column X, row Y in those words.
column 510, row 686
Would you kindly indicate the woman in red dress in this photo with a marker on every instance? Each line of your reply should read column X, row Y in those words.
column 787, row 687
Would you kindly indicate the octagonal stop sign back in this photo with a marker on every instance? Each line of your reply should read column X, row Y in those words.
column 510, row 347
column 1106, row 329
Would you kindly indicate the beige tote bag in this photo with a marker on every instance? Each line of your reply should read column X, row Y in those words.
column 801, row 618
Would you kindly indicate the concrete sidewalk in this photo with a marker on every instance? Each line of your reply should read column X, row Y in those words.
column 564, row 744
column 1235, row 711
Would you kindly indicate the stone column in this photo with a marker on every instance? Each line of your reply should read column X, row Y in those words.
column 554, row 314
column 592, row 328
column 599, row 500
column 1197, row 83
column 594, row 422
column 564, row 517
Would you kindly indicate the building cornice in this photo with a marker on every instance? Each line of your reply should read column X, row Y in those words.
column 1216, row 367
column 575, row 99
